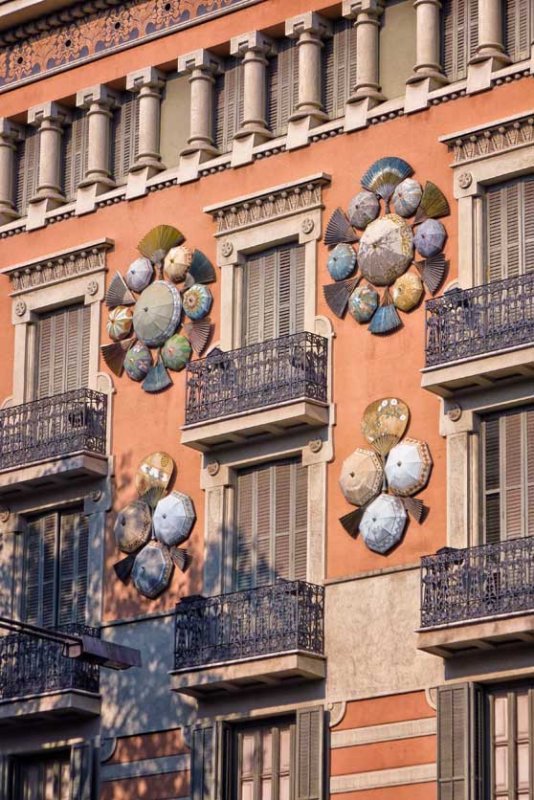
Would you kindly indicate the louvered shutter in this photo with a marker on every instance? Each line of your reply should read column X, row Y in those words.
column 229, row 104
column 39, row 571
column 459, row 36
column 125, row 136
column 269, row 297
column 492, row 470
column 339, row 67
column 73, row 563
column 244, row 534
column 518, row 28
column 75, row 143
column 461, row 732
column 203, row 752
column 83, row 765
column 282, row 77
column 63, row 343
column 510, row 229
column 6, row 776
column 265, row 499
column 309, row 753
column 527, row 224
column 26, row 169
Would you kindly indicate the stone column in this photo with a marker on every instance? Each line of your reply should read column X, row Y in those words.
column 147, row 83
column 489, row 54
column 253, row 48
column 366, row 93
column 50, row 120
column 9, row 135
column 428, row 65
column 308, row 29
column 98, row 102
column 202, row 67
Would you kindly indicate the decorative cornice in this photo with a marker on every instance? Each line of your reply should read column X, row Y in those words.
column 279, row 201
column 495, row 138
column 61, row 266
column 90, row 30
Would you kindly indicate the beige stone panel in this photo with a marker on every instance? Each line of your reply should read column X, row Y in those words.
column 397, row 50
column 175, row 113
column 371, row 639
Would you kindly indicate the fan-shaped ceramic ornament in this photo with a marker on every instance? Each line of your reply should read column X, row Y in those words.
column 361, row 477
column 386, row 317
column 383, row 523
column 176, row 352
column 384, row 423
column 133, row 526
column 197, row 301
column 177, row 263
column 152, row 570
column 120, row 322
column 363, row 209
column 157, row 313
column 407, row 291
column 408, row 467
column 384, row 175
column 341, row 261
column 174, row 518
column 157, row 242
column 406, row 197
column 363, row 303
column 386, row 249
column 138, row 361
column 140, row 273
column 154, row 471
column 429, row 238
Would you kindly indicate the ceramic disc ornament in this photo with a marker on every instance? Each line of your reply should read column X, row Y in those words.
column 341, row 261
column 173, row 519
column 133, row 526
column 407, row 291
column 157, row 313
column 154, row 471
column 383, row 523
column 361, row 477
column 429, row 238
column 152, row 570
column 363, row 209
column 408, row 467
column 363, row 303
column 197, row 301
column 138, row 361
column 177, row 263
column 386, row 249
column 406, row 197
column 139, row 275
column 120, row 323
column 176, row 352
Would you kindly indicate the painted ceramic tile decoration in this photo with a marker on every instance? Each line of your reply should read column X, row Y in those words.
column 377, row 272
column 151, row 528
column 147, row 307
column 382, row 482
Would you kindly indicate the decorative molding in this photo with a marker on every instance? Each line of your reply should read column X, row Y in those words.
column 276, row 203
column 408, row 729
column 144, row 767
column 90, row 30
column 496, row 138
column 34, row 274
column 108, row 746
column 379, row 779
column 337, row 712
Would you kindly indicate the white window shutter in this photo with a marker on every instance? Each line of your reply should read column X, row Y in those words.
column 459, row 23
column 282, row 78
column 339, row 67
column 519, row 21
column 26, row 169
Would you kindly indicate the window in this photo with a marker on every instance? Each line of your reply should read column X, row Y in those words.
column 228, row 104
column 459, row 36
column 62, row 351
column 273, row 294
column 511, row 734
column 75, row 150
column 339, row 67
column 124, row 136
column 264, row 757
column 508, row 475
column 26, row 170
column 283, row 86
column 43, row 778
column 509, row 221
column 271, row 524
column 54, row 569
column 518, row 18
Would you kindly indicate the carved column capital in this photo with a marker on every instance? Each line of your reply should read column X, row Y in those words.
column 99, row 95
column 52, row 113
column 252, row 42
column 147, row 78
column 202, row 60
column 310, row 22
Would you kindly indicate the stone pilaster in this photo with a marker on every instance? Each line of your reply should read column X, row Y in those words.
column 253, row 48
column 9, row 135
column 98, row 101
column 148, row 84
column 50, row 120
column 367, row 92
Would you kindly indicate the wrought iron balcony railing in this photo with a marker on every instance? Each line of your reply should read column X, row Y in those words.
column 484, row 581
column 284, row 617
column 470, row 322
column 53, row 426
column 269, row 373
column 31, row 666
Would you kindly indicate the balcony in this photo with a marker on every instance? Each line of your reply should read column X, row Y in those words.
column 479, row 598
column 249, row 640
column 481, row 336
column 47, row 441
column 38, row 681
column 269, row 387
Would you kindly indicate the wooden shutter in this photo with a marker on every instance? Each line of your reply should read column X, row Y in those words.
column 518, row 28
column 39, row 571
column 6, row 776
column 229, row 104
column 75, row 143
column 460, row 742
column 459, row 36
column 274, row 294
column 63, row 343
column 83, row 764
column 309, row 753
column 73, row 563
column 125, row 136
column 510, row 228
column 26, row 169
column 339, row 67
column 203, row 753
column 271, row 524
column 282, row 78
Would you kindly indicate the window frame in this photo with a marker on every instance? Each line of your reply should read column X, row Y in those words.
column 235, row 759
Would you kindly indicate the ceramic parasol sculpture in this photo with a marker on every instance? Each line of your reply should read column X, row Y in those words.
column 382, row 481
column 151, row 528
column 376, row 272
column 164, row 289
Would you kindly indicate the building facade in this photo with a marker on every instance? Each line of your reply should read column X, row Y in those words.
column 294, row 652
